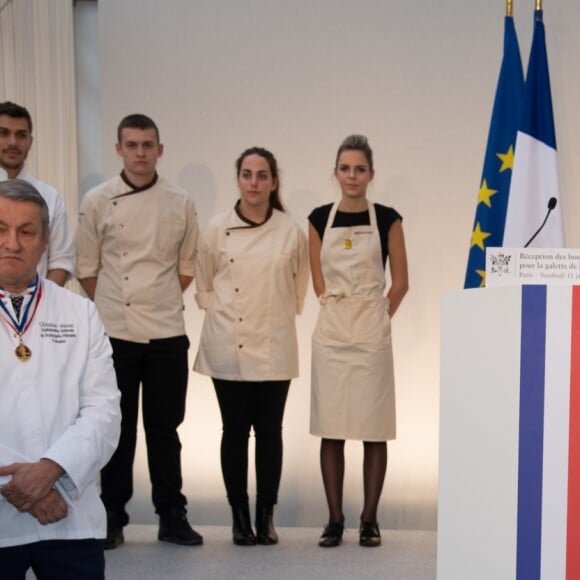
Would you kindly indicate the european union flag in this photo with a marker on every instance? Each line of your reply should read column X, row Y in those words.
column 492, row 200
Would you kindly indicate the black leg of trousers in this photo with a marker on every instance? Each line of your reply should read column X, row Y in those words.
column 162, row 368
column 235, row 407
column 117, row 475
column 164, row 396
column 268, row 413
column 243, row 404
column 54, row 560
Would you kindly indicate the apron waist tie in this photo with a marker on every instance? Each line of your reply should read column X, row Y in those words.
column 337, row 296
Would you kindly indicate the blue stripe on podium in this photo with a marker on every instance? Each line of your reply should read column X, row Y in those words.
column 531, row 433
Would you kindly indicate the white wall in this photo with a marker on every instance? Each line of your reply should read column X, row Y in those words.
column 419, row 79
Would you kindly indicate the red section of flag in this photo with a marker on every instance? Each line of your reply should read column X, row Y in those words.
column 573, row 528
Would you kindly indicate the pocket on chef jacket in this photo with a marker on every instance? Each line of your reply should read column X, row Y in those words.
column 170, row 235
column 24, row 414
column 217, row 359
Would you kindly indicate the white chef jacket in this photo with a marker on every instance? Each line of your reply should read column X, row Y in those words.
column 60, row 253
column 251, row 280
column 62, row 404
column 137, row 243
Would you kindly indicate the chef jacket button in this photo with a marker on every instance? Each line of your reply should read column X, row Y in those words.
column 114, row 203
column 240, row 319
column 126, row 277
column 240, row 345
column 120, row 226
column 125, row 253
column 227, row 233
column 231, row 259
column 127, row 304
column 237, row 289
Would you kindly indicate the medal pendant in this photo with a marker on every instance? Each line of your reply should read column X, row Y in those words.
column 348, row 244
column 22, row 352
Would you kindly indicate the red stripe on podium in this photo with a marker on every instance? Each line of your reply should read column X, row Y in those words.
column 573, row 526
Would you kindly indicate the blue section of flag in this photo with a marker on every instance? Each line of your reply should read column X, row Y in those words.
column 531, row 433
column 537, row 116
column 490, row 219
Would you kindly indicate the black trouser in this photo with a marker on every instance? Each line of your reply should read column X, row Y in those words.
column 54, row 560
column 161, row 367
column 244, row 404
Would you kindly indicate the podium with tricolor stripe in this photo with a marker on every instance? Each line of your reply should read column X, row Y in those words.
column 509, row 467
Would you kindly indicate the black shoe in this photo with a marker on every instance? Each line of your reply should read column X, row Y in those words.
column 370, row 536
column 242, row 533
column 265, row 532
column 116, row 521
column 114, row 537
column 331, row 535
column 174, row 528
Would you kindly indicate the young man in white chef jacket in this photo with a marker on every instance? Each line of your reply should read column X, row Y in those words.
column 136, row 245
column 58, row 261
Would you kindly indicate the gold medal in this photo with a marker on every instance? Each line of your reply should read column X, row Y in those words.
column 22, row 352
column 348, row 244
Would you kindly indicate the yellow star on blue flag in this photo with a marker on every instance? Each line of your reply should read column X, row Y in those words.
column 507, row 159
column 478, row 237
column 492, row 199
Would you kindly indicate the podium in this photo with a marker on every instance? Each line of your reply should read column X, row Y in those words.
column 509, row 466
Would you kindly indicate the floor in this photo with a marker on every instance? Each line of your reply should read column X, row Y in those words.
column 404, row 555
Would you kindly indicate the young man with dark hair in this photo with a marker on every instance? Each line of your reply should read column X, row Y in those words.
column 136, row 247
column 57, row 263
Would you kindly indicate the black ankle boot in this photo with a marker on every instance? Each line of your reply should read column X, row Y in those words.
column 265, row 532
column 242, row 532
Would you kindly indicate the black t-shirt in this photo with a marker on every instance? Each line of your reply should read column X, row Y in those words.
column 386, row 216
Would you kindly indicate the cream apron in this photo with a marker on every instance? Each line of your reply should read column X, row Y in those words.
column 353, row 393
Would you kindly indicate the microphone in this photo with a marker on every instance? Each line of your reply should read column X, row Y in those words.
column 551, row 205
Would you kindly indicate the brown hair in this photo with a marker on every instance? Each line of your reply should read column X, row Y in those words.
column 272, row 163
column 356, row 143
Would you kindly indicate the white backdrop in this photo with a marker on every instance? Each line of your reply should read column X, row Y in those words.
column 296, row 77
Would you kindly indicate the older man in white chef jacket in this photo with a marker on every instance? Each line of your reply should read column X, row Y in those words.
column 59, row 407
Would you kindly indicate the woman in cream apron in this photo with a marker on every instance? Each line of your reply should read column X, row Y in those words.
column 352, row 364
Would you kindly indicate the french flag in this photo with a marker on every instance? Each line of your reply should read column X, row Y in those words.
column 535, row 173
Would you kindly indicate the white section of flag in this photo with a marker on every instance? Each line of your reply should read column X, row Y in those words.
column 534, row 182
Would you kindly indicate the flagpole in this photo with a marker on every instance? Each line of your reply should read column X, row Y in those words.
column 509, row 9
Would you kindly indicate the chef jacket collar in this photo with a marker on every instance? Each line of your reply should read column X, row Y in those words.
column 251, row 224
column 134, row 188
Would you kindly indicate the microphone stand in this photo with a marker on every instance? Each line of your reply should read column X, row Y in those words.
column 551, row 205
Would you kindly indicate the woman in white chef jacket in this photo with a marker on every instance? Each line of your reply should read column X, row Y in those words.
column 352, row 366
column 252, row 275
